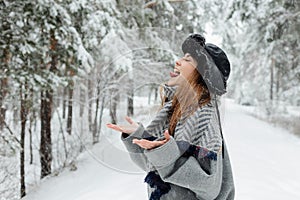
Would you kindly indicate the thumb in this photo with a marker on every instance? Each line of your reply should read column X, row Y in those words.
column 167, row 135
column 130, row 121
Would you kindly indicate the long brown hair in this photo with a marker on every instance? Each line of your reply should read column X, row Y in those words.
column 189, row 96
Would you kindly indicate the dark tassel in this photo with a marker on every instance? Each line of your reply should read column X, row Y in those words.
column 200, row 152
column 211, row 155
column 156, row 182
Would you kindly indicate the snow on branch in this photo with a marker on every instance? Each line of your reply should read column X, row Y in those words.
column 152, row 3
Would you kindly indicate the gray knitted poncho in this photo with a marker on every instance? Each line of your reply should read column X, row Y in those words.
column 190, row 165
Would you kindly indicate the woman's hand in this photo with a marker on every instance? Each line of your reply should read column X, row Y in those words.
column 146, row 144
column 125, row 128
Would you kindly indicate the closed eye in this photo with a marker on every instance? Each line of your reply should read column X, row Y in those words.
column 186, row 57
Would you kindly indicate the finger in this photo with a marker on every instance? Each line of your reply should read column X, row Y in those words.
column 159, row 143
column 156, row 144
column 130, row 121
column 135, row 141
column 139, row 143
column 146, row 144
column 167, row 135
column 115, row 127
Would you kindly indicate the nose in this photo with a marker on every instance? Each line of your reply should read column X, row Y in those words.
column 178, row 62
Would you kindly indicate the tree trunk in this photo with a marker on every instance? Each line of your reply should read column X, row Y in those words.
column 46, row 144
column 64, row 102
column 70, row 108
column 156, row 93
column 32, row 120
column 100, row 117
column 3, row 86
column 46, row 112
column 32, row 124
column 113, row 106
column 90, row 94
column 3, row 92
column 149, row 95
column 272, row 79
column 16, row 116
column 82, row 102
column 278, row 74
column 95, row 127
column 30, row 140
column 23, row 116
column 130, row 101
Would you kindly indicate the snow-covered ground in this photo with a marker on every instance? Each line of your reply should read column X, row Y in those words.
column 264, row 160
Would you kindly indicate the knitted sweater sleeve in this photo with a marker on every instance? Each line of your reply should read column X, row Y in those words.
column 136, row 152
column 153, row 131
column 184, row 162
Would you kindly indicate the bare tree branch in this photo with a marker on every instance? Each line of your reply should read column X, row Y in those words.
column 10, row 131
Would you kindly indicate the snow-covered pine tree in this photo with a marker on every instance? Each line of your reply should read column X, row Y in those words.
column 5, row 40
column 101, row 19
column 261, row 37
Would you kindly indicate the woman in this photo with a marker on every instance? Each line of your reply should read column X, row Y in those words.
column 183, row 149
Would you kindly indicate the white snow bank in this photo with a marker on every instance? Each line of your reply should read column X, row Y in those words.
column 264, row 161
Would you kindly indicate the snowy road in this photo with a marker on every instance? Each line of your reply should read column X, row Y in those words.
column 264, row 160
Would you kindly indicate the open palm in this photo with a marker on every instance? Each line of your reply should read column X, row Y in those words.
column 129, row 128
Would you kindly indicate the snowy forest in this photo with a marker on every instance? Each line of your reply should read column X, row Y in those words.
column 68, row 67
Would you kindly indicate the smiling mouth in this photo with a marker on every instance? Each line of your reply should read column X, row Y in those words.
column 174, row 74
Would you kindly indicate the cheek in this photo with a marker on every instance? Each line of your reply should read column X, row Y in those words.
column 188, row 70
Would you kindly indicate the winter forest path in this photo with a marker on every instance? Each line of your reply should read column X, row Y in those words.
column 263, row 157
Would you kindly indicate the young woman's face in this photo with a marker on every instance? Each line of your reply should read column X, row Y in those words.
column 182, row 70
